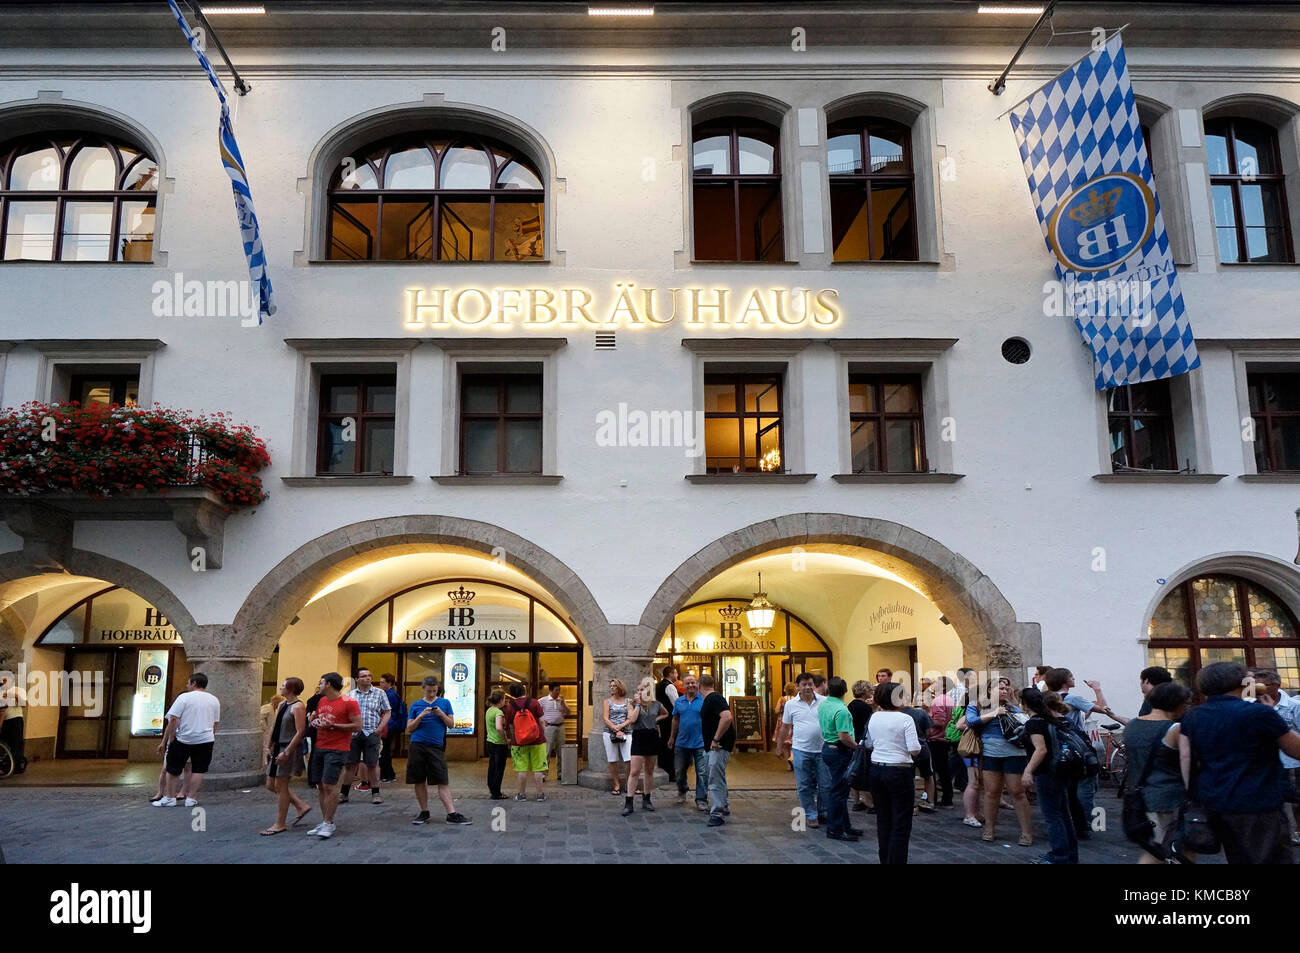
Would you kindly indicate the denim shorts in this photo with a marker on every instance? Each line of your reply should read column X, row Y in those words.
column 1015, row 764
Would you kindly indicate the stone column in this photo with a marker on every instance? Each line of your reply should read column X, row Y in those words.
column 236, row 679
column 631, row 669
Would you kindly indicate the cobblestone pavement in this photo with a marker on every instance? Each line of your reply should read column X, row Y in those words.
column 115, row 825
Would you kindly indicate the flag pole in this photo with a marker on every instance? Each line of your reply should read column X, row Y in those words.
column 998, row 85
column 1063, row 69
column 241, row 87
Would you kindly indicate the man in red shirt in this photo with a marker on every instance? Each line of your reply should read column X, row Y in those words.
column 335, row 719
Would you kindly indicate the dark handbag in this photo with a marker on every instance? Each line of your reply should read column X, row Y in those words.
column 1013, row 729
column 1195, row 832
column 858, row 773
column 1138, row 827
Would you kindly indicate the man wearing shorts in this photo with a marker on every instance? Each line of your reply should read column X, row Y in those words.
column 426, row 763
column 337, row 716
column 375, row 712
column 530, row 758
column 189, row 736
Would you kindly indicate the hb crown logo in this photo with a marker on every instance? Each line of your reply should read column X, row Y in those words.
column 460, row 613
column 1103, row 222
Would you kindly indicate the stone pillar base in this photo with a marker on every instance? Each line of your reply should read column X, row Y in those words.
column 231, row 781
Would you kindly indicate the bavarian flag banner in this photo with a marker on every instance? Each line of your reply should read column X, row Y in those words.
column 1090, row 179
column 234, row 164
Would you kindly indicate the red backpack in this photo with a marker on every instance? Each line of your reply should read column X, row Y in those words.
column 526, row 729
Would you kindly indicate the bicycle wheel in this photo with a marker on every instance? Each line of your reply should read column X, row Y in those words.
column 1119, row 766
column 6, row 761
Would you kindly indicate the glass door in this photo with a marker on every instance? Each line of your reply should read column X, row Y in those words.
column 119, row 702
column 84, row 729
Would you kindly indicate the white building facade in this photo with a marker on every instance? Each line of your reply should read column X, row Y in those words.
column 597, row 319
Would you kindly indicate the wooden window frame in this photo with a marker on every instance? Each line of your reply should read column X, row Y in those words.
column 733, row 128
column 118, row 382
column 63, row 194
column 1129, row 415
column 502, row 417
column 1235, row 180
column 740, row 415
column 882, row 417
column 1264, row 418
column 324, row 418
column 838, row 180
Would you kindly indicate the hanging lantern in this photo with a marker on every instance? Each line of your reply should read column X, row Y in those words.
column 761, row 614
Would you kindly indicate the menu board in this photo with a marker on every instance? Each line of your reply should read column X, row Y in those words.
column 458, row 688
column 147, row 707
column 747, row 710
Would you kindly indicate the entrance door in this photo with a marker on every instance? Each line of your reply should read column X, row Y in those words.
column 99, row 726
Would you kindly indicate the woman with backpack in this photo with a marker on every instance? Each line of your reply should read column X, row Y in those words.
column 395, row 728
column 1002, row 761
column 1041, row 733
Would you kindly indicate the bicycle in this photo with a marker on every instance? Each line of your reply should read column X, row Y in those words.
column 1114, row 761
column 7, row 762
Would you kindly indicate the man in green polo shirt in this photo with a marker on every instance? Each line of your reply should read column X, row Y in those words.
column 836, row 723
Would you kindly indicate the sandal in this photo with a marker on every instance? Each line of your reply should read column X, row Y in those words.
column 299, row 818
column 272, row 830
column 1026, row 840
column 987, row 836
column 616, row 792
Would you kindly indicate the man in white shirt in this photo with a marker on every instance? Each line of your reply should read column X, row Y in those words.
column 801, row 731
column 554, row 711
column 13, row 699
column 189, row 736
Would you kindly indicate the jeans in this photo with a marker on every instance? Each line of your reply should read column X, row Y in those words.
column 939, row 758
column 497, row 755
column 718, row 779
column 1081, row 795
column 684, row 756
column 836, row 808
column 1054, row 802
column 1253, row 838
column 666, row 757
column 813, row 782
column 893, row 792
column 386, row 772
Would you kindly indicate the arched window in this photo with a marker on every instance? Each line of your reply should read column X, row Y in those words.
column 76, row 197
column 736, row 186
column 1250, row 211
column 1224, row 619
column 438, row 196
column 873, row 190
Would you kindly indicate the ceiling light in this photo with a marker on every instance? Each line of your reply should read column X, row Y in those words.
column 620, row 11
column 1008, row 8
column 760, row 614
column 235, row 8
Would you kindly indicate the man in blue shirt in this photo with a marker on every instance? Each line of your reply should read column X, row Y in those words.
column 1229, row 756
column 428, row 721
column 687, row 742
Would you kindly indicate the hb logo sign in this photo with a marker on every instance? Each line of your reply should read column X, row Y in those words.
column 460, row 615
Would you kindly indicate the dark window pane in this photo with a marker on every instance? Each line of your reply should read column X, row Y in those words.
column 756, row 156
column 480, row 397
column 379, row 446
column 381, row 398
column 849, row 226
column 524, row 446
column 866, row 455
column 519, row 235
column 720, row 397
column 464, row 235
column 1281, row 392
column 760, row 223
column 352, row 231
column 1117, row 399
column 1286, row 442
column 338, row 455
column 341, row 398
column 1262, row 463
column 407, row 231
column 711, row 156
column 480, row 446
column 1265, row 244
column 1216, row 148
column 892, row 226
column 903, row 446
column 1151, row 442
column 524, row 396
column 1254, row 145
column 1151, row 397
column 902, row 398
column 715, row 222
column 1119, row 449
column 844, row 154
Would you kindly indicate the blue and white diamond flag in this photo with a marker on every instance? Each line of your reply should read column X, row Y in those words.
column 234, row 163
column 1090, row 179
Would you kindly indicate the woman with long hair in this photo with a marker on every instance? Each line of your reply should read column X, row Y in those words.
column 618, row 715
column 1053, row 792
column 645, row 744
column 284, row 754
column 1002, row 762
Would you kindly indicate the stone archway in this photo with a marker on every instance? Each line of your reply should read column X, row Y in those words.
column 982, row 617
column 275, row 600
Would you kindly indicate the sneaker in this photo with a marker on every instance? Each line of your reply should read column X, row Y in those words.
column 813, row 824
column 701, row 805
column 190, row 802
column 541, row 797
column 521, row 797
column 716, row 820
column 860, row 806
column 326, row 830
column 164, row 802
column 848, row 837
column 421, row 818
column 971, row 822
column 458, row 818
column 363, row 786
column 726, row 812
column 375, row 798
column 315, row 831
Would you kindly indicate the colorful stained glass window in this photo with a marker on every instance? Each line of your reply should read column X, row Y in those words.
column 1268, row 619
column 1170, row 618
column 1217, row 614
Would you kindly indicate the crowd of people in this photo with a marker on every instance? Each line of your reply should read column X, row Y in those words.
column 1205, row 772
